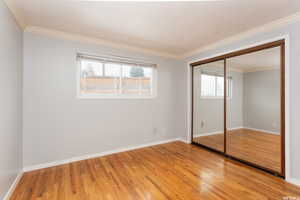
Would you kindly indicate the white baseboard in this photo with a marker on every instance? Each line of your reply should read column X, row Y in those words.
column 13, row 186
column 215, row 132
column 207, row 134
column 261, row 130
column 89, row 156
column 235, row 128
column 184, row 140
column 294, row 181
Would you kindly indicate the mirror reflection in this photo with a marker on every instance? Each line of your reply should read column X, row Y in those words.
column 208, row 106
column 253, row 110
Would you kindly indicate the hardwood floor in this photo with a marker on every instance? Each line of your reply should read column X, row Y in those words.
column 174, row 171
column 256, row 147
column 215, row 141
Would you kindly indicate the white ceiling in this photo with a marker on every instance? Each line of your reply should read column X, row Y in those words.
column 257, row 61
column 175, row 28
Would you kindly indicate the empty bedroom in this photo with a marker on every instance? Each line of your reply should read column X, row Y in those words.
column 122, row 100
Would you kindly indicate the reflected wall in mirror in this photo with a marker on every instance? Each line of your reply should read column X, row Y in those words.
column 253, row 111
column 208, row 105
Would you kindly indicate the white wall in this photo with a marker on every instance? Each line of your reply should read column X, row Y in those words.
column 294, row 98
column 58, row 125
column 262, row 100
column 11, row 99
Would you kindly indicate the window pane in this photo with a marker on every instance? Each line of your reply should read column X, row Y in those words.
column 147, row 81
column 220, row 86
column 97, row 78
column 91, row 69
column 137, row 80
column 112, row 70
column 208, row 84
column 130, row 80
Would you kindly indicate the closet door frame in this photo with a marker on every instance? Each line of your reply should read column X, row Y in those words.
column 224, row 57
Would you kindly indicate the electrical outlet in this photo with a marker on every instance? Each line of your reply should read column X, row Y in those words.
column 202, row 124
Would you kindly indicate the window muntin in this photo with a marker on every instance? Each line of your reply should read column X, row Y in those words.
column 99, row 78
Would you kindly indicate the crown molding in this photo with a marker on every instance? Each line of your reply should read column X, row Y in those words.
column 15, row 14
column 243, row 35
column 93, row 40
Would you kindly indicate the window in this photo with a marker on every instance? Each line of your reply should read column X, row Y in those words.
column 115, row 78
column 212, row 86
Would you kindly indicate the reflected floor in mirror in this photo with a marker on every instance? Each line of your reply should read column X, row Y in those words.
column 214, row 141
column 260, row 148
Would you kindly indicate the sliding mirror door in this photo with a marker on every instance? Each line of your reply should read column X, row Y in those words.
column 254, row 108
column 208, row 105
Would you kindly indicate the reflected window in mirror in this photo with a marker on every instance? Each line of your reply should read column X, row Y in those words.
column 212, row 85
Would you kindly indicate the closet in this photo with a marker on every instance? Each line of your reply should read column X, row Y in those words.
column 238, row 106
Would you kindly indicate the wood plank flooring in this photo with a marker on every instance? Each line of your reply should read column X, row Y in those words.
column 257, row 147
column 172, row 171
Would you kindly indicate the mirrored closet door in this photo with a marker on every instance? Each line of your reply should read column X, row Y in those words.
column 253, row 109
column 208, row 106
column 238, row 105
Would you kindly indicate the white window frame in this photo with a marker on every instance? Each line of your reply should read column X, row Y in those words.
column 216, row 97
column 116, row 60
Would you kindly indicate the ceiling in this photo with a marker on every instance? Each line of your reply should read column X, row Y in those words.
column 176, row 28
column 257, row 61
